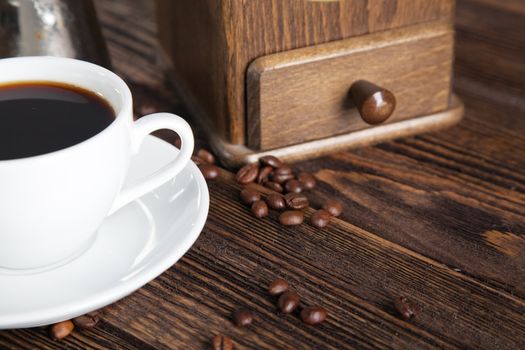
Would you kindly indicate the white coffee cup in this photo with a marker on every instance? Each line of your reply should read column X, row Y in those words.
column 52, row 204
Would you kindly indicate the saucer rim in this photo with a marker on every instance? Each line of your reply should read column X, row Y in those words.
column 123, row 289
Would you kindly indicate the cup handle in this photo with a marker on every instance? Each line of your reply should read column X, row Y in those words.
column 140, row 129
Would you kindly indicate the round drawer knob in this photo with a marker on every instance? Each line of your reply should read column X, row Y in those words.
column 375, row 104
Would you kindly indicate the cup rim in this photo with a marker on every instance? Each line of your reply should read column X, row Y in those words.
column 118, row 84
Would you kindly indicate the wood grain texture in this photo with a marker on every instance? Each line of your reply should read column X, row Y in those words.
column 438, row 217
column 443, row 194
column 231, row 34
column 238, row 256
column 308, row 89
column 235, row 156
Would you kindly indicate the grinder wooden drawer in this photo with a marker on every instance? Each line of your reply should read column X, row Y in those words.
column 303, row 94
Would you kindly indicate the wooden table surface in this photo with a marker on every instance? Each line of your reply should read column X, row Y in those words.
column 438, row 217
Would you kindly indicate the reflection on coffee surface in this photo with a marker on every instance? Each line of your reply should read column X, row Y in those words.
column 42, row 117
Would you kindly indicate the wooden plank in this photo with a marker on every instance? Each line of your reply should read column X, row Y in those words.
column 308, row 89
column 446, row 195
column 490, row 44
column 455, row 196
column 237, row 256
column 105, row 336
column 353, row 273
column 211, row 58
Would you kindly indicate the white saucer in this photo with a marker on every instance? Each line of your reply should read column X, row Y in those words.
column 133, row 246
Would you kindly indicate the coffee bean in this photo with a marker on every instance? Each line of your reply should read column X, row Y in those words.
column 307, row 180
column 276, row 201
column 249, row 196
column 242, row 317
column 296, row 200
column 263, row 174
column 277, row 287
column 283, row 170
column 209, row 171
column 247, row 173
column 86, row 321
column 293, row 185
column 313, row 315
column 221, row 342
column 60, row 330
column 206, row 156
column 405, row 308
column 288, row 302
column 320, row 219
column 291, row 218
column 281, row 178
column 259, row 209
column 274, row 186
column 197, row 160
column 333, row 206
column 271, row 161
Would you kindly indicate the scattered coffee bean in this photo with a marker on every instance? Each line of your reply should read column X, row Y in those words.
column 320, row 219
column 313, row 315
column 60, row 330
column 307, row 180
column 263, row 174
column 283, row 170
column 221, row 342
column 209, row 171
column 276, row 201
column 281, row 178
column 333, row 206
column 206, row 156
column 259, row 209
column 274, row 186
column 87, row 321
column 288, row 302
column 293, row 185
column 405, row 308
column 296, row 200
column 271, row 161
column 242, row 317
column 197, row 160
column 277, row 287
column 247, row 173
column 249, row 195
column 291, row 218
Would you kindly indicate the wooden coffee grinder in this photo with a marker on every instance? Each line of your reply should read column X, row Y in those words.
column 300, row 78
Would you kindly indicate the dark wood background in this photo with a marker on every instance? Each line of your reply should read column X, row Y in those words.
column 438, row 217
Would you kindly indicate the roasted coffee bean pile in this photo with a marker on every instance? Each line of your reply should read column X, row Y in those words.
column 206, row 163
column 290, row 198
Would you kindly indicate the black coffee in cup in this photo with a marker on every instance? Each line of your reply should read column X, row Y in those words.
column 42, row 117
